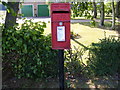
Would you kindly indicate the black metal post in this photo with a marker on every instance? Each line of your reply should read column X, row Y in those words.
column 61, row 69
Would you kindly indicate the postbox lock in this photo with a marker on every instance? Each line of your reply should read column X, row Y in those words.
column 60, row 23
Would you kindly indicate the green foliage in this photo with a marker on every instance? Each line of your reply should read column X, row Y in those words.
column 29, row 51
column 108, row 9
column 73, row 61
column 81, row 9
column 84, row 9
column 93, row 23
column 104, row 58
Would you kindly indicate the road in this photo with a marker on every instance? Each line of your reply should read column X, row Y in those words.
column 49, row 20
column 72, row 21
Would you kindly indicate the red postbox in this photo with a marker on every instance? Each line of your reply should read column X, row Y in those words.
column 60, row 25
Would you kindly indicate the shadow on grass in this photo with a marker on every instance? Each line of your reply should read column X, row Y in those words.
column 118, row 28
column 72, row 82
column 96, row 82
column 30, row 83
column 106, row 26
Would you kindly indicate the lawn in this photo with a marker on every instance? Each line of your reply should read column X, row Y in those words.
column 98, row 17
column 87, row 34
column 76, row 82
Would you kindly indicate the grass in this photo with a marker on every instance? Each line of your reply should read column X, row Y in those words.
column 106, row 26
column 78, row 18
column 101, row 82
column 106, row 17
column 98, row 17
column 88, row 34
column 77, row 82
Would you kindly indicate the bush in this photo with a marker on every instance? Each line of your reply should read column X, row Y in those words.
column 104, row 57
column 73, row 61
column 29, row 51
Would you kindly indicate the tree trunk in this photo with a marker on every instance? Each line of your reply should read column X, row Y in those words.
column 94, row 10
column 117, row 9
column 10, row 19
column 102, row 14
column 113, row 16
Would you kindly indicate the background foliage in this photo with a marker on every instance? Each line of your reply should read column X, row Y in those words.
column 29, row 51
column 104, row 57
column 73, row 61
column 81, row 9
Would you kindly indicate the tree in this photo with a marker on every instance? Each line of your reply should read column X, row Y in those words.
column 102, row 14
column 113, row 16
column 94, row 9
column 82, row 9
column 118, row 9
column 108, row 9
column 11, row 15
column 10, row 21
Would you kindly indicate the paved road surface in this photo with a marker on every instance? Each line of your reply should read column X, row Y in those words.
column 72, row 21
column 48, row 20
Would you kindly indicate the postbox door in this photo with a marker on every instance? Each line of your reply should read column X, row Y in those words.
column 61, row 35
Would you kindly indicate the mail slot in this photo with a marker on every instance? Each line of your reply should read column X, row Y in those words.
column 60, row 25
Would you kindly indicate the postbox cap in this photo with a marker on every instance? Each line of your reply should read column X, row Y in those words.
column 60, row 7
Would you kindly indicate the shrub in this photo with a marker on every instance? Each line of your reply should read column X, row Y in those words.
column 73, row 61
column 104, row 57
column 29, row 51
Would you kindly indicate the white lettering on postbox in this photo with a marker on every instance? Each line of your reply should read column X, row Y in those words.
column 60, row 33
